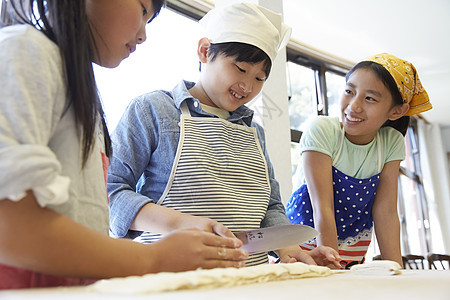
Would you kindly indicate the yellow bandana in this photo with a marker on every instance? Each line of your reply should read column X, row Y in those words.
column 408, row 83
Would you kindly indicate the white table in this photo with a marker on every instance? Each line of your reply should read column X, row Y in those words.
column 411, row 284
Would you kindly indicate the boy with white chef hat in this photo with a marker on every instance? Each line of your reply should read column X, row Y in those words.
column 193, row 157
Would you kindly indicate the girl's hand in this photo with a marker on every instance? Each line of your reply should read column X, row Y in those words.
column 322, row 256
column 191, row 249
column 326, row 256
column 295, row 254
column 205, row 224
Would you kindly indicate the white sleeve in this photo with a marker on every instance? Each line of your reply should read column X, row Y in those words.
column 30, row 82
column 32, row 167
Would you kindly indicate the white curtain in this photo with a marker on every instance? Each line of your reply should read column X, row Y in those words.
column 436, row 181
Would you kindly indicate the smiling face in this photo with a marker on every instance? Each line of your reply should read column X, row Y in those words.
column 226, row 83
column 366, row 105
column 117, row 26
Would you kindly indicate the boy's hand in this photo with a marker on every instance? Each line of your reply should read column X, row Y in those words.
column 190, row 249
column 205, row 224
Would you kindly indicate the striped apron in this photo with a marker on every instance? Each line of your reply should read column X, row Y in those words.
column 353, row 202
column 219, row 172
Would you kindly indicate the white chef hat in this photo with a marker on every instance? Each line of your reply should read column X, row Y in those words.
column 247, row 23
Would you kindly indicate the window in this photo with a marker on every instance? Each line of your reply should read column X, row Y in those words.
column 302, row 105
column 335, row 88
column 413, row 208
column 313, row 90
column 302, row 94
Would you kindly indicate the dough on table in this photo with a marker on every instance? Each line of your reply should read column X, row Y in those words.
column 377, row 267
column 208, row 279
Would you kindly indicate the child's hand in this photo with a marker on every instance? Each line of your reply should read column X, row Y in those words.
column 295, row 254
column 205, row 224
column 326, row 256
column 191, row 249
column 322, row 256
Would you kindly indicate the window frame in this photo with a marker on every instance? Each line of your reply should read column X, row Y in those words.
column 424, row 230
column 319, row 68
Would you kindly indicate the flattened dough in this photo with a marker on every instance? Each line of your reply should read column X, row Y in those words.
column 208, row 279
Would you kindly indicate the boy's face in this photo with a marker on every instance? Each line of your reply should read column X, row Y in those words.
column 229, row 84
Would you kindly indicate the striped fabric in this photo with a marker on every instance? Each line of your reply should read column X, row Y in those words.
column 355, row 249
column 351, row 250
column 219, row 173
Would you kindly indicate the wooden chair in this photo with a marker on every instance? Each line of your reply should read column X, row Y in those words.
column 414, row 262
column 436, row 261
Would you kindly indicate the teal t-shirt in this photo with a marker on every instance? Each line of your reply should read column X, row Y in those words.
column 323, row 134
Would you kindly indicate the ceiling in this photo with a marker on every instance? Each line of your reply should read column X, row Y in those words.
column 415, row 30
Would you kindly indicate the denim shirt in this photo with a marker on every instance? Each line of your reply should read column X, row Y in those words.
column 145, row 143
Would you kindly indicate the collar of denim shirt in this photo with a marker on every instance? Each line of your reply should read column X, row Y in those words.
column 180, row 93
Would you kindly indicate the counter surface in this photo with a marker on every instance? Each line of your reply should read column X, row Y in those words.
column 411, row 284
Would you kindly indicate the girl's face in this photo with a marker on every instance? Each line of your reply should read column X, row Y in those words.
column 117, row 26
column 366, row 105
column 228, row 84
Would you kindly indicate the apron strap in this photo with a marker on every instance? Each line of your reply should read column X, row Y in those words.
column 379, row 163
column 379, row 152
column 340, row 146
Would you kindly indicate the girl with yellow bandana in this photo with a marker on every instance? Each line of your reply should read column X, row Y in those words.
column 351, row 166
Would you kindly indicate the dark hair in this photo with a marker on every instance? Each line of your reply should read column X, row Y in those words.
column 402, row 123
column 65, row 22
column 242, row 53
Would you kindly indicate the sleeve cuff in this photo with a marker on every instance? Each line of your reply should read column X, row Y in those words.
column 55, row 193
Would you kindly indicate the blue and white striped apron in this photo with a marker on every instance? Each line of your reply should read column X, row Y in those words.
column 219, row 172
column 353, row 202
